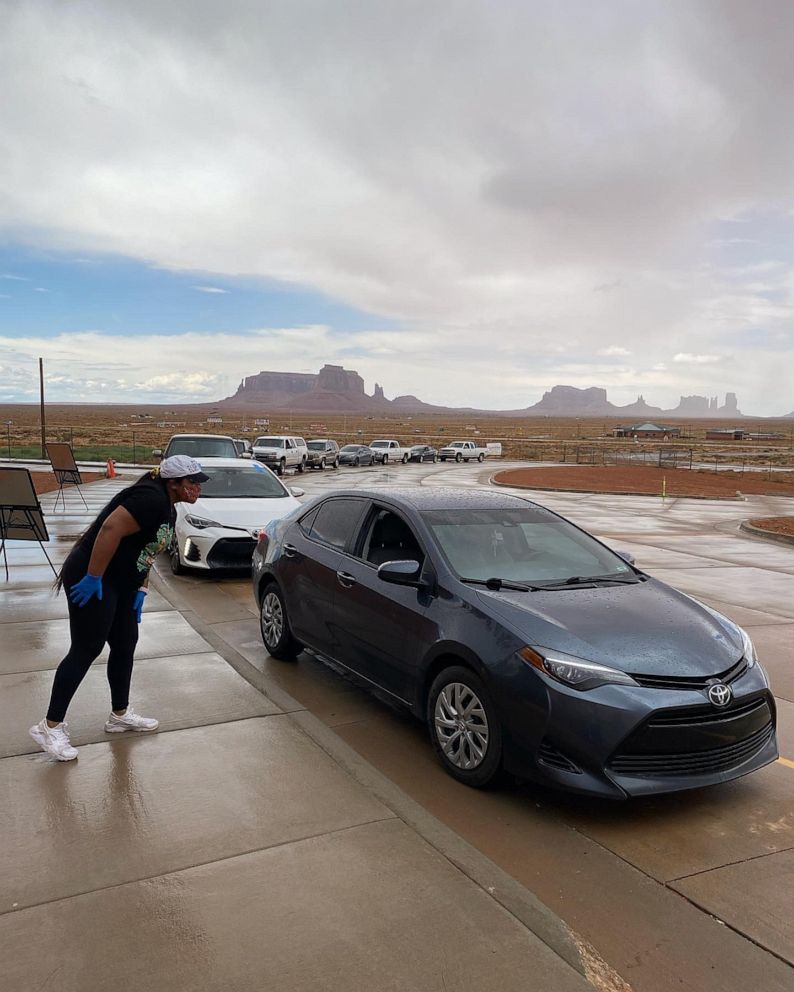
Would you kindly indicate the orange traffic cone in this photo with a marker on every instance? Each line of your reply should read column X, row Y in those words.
column 110, row 471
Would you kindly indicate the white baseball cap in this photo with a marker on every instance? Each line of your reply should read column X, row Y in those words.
column 182, row 467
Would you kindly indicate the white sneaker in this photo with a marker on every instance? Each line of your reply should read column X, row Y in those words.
column 54, row 740
column 130, row 721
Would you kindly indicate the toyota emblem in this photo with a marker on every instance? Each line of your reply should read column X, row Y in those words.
column 720, row 694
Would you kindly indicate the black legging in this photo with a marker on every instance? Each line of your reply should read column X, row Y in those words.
column 111, row 620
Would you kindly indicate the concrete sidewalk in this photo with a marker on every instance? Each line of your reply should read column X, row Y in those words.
column 243, row 846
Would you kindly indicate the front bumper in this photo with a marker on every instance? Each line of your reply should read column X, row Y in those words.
column 216, row 548
column 622, row 741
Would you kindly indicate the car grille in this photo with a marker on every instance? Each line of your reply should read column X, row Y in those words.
column 231, row 552
column 698, row 740
column 549, row 755
column 699, row 682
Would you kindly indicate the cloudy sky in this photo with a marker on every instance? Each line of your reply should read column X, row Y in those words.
column 469, row 201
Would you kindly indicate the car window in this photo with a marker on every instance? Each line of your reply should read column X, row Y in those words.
column 248, row 482
column 299, row 441
column 305, row 522
column 269, row 442
column 317, row 446
column 336, row 521
column 389, row 538
column 526, row 545
column 202, row 447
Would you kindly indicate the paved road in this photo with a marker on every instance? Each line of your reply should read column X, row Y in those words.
column 692, row 891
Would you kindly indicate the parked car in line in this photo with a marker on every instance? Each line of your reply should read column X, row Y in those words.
column 219, row 530
column 422, row 453
column 244, row 447
column 281, row 451
column 356, row 454
column 199, row 446
column 462, row 451
column 522, row 641
column 322, row 452
column 386, row 451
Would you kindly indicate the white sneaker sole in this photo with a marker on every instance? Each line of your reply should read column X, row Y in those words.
column 119, row 728
column 38, row 737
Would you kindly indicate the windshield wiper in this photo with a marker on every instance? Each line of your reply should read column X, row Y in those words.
column 594, row 580
column 495, row 584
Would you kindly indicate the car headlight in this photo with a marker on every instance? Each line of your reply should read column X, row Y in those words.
column 748, row 648
column 201, row 523
column 574, row 672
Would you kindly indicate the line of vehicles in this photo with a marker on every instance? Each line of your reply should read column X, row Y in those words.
column 286, row 451
column 525, row 644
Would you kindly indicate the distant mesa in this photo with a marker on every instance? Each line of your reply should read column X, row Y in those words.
column 336, row 389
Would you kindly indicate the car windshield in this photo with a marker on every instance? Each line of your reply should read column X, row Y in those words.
column 269, row 442
column 352, row 447
column 524, row 545
column 250, row 481
column 316, row 445
column 202, row 447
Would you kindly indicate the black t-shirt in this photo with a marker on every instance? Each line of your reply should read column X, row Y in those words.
column 149, row 504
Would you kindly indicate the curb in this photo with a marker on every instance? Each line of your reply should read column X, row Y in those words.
column 766, row 535
column 613, row 492
column 510, row 894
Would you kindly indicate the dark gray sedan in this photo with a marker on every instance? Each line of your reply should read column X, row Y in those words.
column 356, row 454
column 422, row 453
column 523, row 642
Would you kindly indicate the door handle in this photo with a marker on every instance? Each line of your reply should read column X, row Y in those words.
column 346, row 579
column 290, row 550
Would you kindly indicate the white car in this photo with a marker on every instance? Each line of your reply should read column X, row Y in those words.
column 387, row 450
column 463, row 451
column 220, row 530
column 281, row 452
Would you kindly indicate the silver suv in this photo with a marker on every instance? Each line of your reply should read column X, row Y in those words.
column 323, row 452
column 281, row 452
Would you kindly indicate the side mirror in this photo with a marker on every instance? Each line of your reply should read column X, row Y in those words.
column 400, row 573
column 626, row 556
column 157, row 452
column 246, row 454
column 295, row 491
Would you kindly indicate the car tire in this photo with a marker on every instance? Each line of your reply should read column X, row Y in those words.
column 405, row 459
column 384, row 460
column 336, row 463
column 462, row 685
column 274, row 625
column 301, row 465
column 458, row 457
column 433, row 459
column 282, row 467
column 481, row 457
column 356, row 461
column 177, row 568
column 322, row 465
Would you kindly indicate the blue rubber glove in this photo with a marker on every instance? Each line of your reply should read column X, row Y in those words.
column 82, row 591
column 140, row 595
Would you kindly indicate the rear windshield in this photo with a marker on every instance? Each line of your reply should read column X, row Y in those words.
column 269, row 442
column 251, row 481
column 206, row 447
column 526, row 545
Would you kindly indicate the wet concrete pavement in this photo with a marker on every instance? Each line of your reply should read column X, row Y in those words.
column 687, row 891
column 243, row 845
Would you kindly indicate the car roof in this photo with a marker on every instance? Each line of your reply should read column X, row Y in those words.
column 439, row 497
column 222, row 437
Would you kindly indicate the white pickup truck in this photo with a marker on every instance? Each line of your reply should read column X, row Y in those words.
column 462, row 451
column 386, row 451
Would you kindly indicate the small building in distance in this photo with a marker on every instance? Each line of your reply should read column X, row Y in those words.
column 648, row 430
column 739, row 434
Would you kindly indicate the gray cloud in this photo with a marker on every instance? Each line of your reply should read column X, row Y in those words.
column 473, row 170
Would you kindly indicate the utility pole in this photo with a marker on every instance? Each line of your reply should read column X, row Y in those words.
column 41, row 394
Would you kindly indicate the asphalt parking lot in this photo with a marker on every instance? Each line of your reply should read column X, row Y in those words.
column 688, row 891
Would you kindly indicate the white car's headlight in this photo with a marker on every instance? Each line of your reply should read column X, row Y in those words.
column 200, row 523
column 575, row 672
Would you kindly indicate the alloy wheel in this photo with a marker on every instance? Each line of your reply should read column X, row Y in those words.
column 461, row 726
column 272, row 619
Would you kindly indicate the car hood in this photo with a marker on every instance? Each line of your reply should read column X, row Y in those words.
column 236, row 512
column 646, row 628
column 269, row 449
